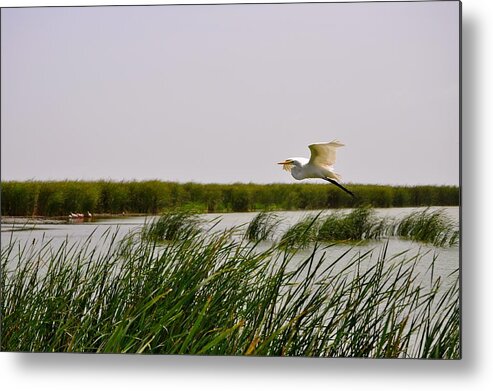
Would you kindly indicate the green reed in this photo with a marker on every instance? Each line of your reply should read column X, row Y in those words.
column 59, row 198
column 359, row 224
column 172, row 226
column 204, row 292
column 428, row 226
column 301, row 234
column 262, row 226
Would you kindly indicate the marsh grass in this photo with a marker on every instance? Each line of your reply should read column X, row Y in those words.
column 360, row 224
column 176, row 225
column 428, row 226
column 59, row 198
column 301, row 234
column 208, row 294
column 262, row 226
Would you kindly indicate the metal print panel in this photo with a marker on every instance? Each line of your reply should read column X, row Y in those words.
column 237, row 179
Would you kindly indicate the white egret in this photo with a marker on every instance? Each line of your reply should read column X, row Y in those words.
column 320, row 165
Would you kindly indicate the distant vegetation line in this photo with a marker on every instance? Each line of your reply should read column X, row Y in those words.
column 59, row 198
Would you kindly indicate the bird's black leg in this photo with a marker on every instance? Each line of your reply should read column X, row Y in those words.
column 339, row 186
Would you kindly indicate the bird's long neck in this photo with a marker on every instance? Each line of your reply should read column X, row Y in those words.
column 297, row 170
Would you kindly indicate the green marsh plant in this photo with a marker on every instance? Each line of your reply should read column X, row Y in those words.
column 428, row 226
column 359, row 224
column 262, row 226
column 207, row 294
column 301, row 234
column 59, row 198
column 170, row 226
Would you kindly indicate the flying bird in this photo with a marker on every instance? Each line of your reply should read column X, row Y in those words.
column 320, row 165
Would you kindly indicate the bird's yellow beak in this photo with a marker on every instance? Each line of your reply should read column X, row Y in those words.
column 286, row 165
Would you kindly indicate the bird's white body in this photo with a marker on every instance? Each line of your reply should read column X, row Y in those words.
column 303, row 169
column 320, row 165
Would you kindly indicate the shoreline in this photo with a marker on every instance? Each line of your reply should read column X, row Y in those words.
column 17, row 220
column 62, row 219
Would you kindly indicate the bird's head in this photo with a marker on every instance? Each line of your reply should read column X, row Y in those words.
column 288, row 164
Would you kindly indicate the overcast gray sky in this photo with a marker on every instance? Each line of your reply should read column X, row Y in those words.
column 221, row 93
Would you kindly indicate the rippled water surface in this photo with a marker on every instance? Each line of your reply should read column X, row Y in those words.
column 446, row 258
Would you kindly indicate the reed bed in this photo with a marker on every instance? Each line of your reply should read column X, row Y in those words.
column 59, row 198
column 302, row 234
column 360, row 224
column 205, row 293
column 174, row 225
column 262, row 226
column 428, row 226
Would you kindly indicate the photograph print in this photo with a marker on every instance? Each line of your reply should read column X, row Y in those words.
column 232, row 179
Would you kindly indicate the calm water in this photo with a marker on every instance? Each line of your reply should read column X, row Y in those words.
column 447, row 259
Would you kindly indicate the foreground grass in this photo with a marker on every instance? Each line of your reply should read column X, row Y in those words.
column 205, row 293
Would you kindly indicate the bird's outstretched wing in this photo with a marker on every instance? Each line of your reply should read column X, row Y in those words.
column 324, row 154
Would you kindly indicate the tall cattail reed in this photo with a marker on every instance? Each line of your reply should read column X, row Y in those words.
column 175, row 225
column 360, row 224
column 59, row 198
column 262, row 226
column 206, row 293
column 428, row 226
column 301, row 234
